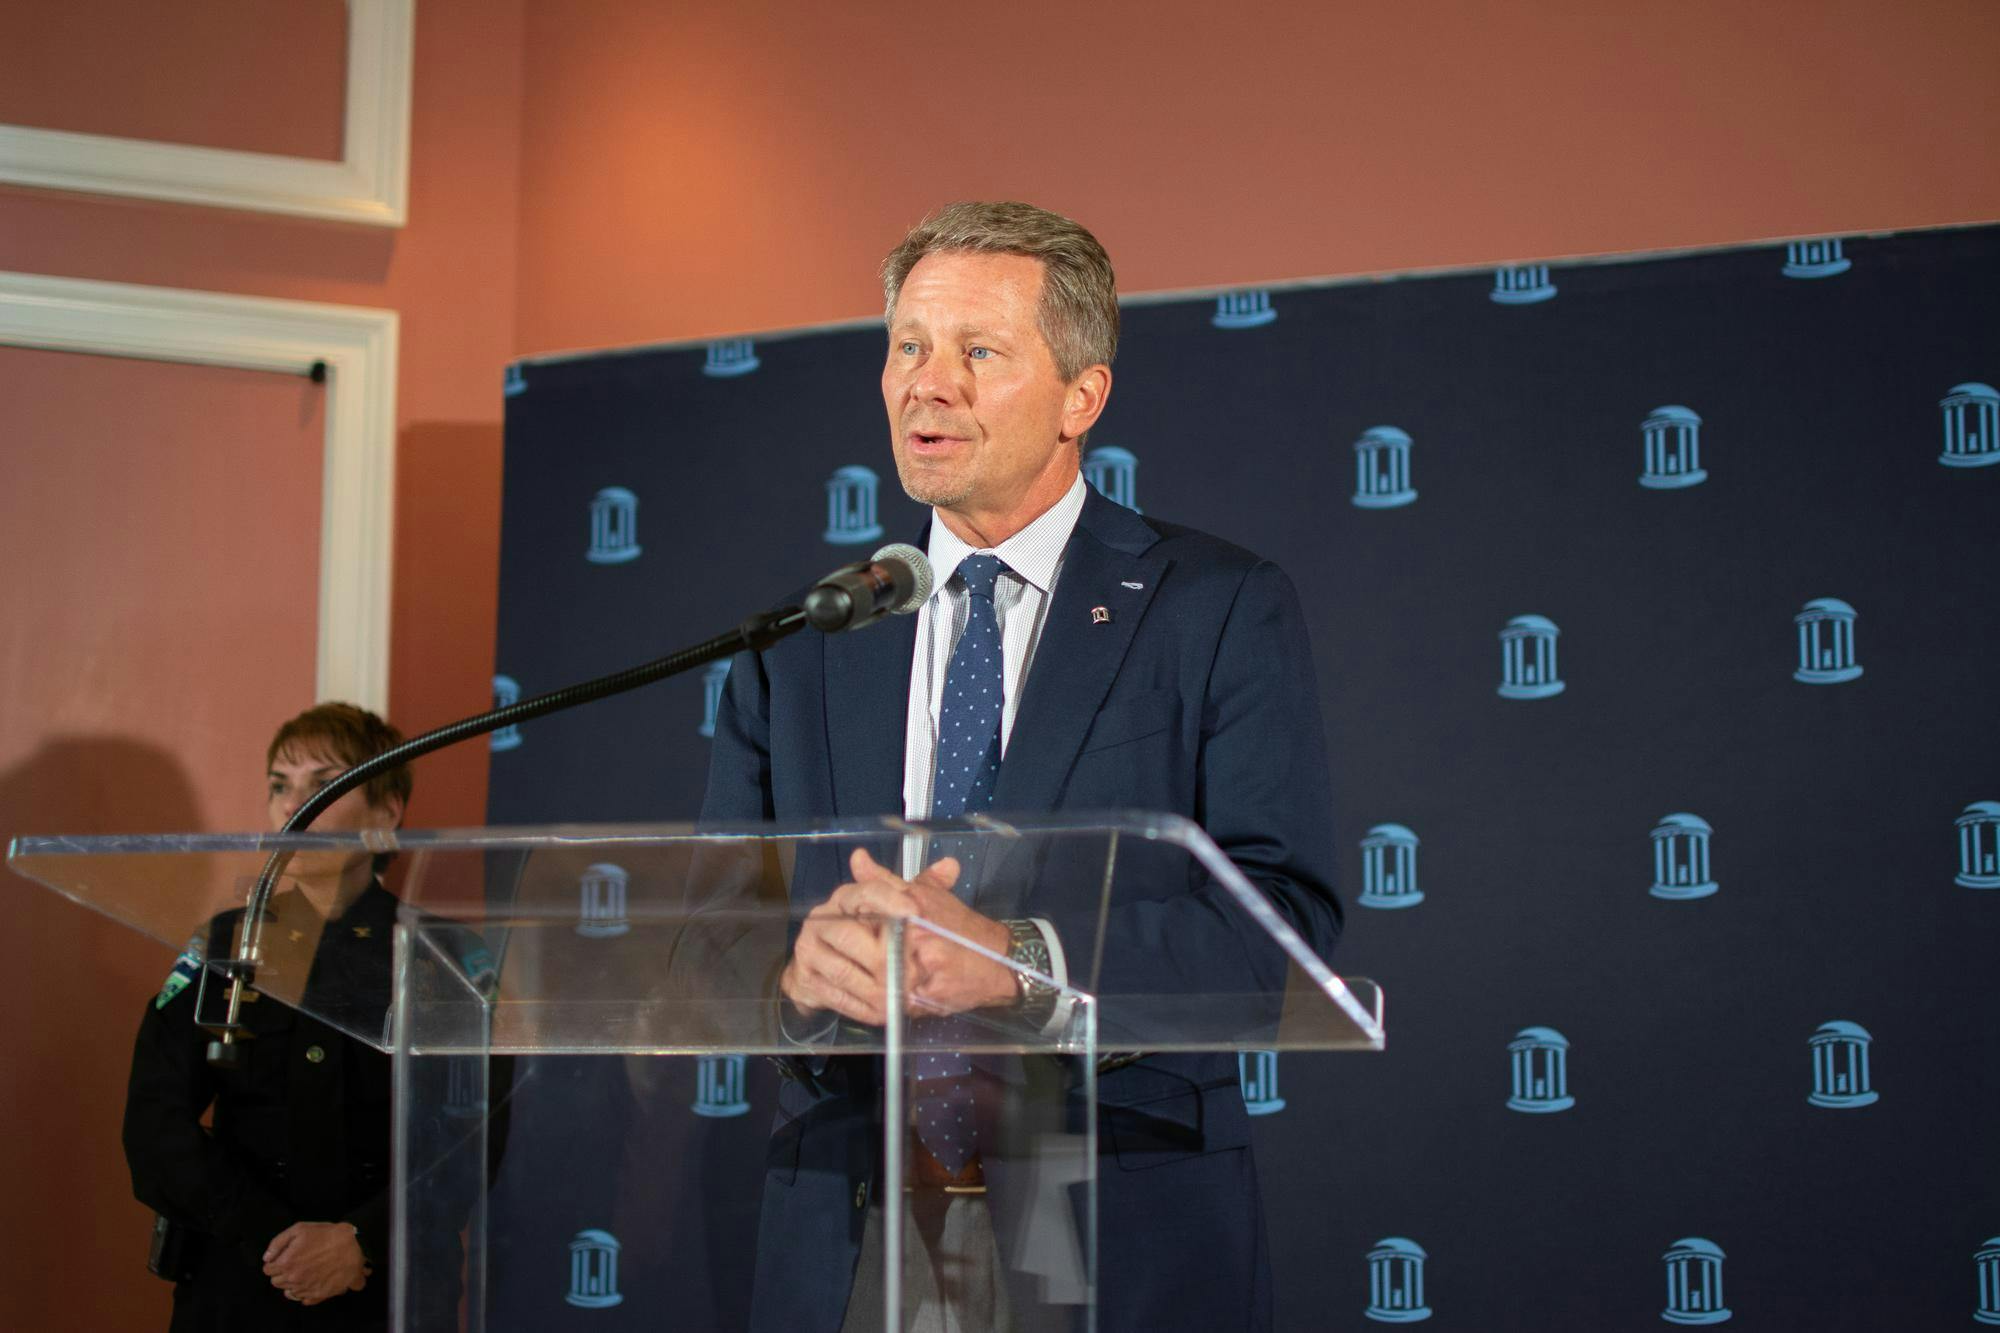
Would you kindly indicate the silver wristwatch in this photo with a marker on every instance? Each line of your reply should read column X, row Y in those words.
column 1027, row 947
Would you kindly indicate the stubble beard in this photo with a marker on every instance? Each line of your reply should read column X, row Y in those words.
column 936, row 488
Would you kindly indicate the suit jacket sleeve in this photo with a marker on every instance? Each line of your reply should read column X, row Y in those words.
column 739, row 765
column 178, row 1169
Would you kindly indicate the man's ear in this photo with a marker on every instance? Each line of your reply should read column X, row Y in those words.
column 1085, row 400
column 391, row 810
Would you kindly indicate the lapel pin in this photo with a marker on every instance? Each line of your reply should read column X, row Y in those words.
column 1100, row 615
column 1134, row 586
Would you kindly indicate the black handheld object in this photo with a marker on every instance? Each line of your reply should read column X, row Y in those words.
column 173, row 1254
column 895, row 581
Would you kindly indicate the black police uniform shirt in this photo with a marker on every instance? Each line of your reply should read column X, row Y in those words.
column 300, row 1130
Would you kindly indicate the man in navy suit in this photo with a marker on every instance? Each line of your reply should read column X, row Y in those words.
column 1140, row 666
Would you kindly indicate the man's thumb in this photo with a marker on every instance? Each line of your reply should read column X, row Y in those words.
column 940, row 874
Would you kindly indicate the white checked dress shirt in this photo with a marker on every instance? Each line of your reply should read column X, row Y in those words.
column 1034, row 559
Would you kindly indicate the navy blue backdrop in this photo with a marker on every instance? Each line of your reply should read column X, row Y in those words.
column 1654, row 603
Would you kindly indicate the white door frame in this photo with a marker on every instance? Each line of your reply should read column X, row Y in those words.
column 357, row 346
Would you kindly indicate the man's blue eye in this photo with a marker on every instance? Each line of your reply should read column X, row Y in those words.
column 980, row 353
column 908, row 349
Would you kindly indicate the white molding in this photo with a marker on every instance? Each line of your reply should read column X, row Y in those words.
column 370, row 184
column 358, row 484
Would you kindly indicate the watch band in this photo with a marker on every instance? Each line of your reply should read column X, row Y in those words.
column 1026, row 947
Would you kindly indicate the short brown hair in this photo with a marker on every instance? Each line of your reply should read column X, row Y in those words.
column 1078, row 312
column 350, row 735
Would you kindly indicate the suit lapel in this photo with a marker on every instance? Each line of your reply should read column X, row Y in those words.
column 867, row 712
column 1079, row 654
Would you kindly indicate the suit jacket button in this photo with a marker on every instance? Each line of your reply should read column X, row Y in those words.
column 315, row 1054
column 861, row 1195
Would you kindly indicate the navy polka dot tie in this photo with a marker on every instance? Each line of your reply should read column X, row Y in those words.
column 968, row 744
column 968, row 764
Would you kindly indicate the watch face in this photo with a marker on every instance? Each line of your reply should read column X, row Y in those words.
column 1029, row 949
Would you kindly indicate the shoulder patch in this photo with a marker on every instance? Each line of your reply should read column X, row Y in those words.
column 186, row 968
column 477, row 960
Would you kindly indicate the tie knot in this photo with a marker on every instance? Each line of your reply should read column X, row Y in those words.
column 979, row 573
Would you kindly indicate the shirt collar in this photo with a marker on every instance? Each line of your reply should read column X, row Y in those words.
column 1032, row 553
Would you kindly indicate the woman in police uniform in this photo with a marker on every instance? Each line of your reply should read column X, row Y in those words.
column 283, row 1202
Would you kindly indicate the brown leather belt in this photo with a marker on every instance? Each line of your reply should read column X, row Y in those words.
column 923, row 1171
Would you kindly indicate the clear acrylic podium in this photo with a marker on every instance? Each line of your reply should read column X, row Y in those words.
column 521, row 952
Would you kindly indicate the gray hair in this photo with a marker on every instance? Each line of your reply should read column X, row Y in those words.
column 1078, row 312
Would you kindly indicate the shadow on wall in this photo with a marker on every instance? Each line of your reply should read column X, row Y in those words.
column 97, row 784
column 77, row 983
column 446, row 605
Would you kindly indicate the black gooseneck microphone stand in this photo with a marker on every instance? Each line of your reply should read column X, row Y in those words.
column 755, row 634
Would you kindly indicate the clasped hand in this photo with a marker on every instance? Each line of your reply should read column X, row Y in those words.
column 315, row 1261
column 840, row 961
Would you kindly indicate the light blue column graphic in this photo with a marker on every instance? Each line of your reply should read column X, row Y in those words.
column 1243, row 310
column 850, row 506
column 1694, row 1283
column 1522, row 284
column 1389, row 868
column 1257, row 1072
column 506, row 690
column 1115, row 474
column 1528, row 659
column 1382, row 469
column 1680, row 858
column 1840, row 1065
column 719, row 1087
column 713, row 680
column 1673, row 449
column 1826, row 642
column 730, row 357
column 614, row 527
column 1815, row 259
column 1541, row 1071
column 1988, row 1262
column 516, row 382
column 593, row 1270
column 600, row 911
column 1971, row 426
column 1979, row 846
column 1396, row 1282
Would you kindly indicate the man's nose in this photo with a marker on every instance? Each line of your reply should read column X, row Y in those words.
column 941, row 378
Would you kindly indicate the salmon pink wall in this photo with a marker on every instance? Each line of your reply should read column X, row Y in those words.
column 181, row 73
column 149, row 633
column 81, row 760
column 701, row 168
column 449, row 274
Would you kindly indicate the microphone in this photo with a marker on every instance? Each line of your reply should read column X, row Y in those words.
column 895, row 582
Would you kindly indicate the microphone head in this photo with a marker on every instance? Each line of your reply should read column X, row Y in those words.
column 903, row 556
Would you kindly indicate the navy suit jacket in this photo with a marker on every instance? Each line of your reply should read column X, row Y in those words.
column 1196, row 698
